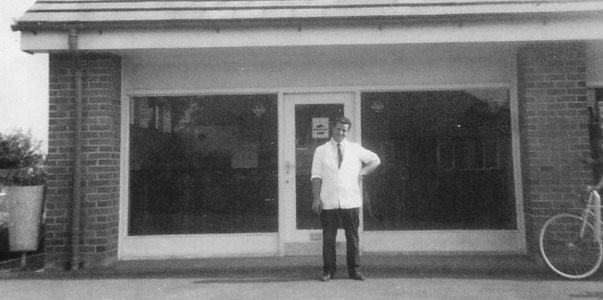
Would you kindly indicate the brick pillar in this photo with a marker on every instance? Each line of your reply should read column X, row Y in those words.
column 552, row 93
column 101, row 156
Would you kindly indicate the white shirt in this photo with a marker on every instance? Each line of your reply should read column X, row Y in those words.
column 340, row 186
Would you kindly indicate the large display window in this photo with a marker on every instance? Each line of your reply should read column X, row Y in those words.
column 446, row 160
column 203, row 164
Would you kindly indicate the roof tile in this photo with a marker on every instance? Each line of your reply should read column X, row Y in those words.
column 106, row 11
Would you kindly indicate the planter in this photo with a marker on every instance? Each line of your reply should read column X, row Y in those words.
column 24, row 216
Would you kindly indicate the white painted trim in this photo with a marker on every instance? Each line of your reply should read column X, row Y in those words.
column 438, row 241
column 196, row 246
column 516, row 151
column 282, row 193
column 124, row 182
column 144, row 247
column 201, row 92
column 357, row 124
column 325, row 89
column 452, row 32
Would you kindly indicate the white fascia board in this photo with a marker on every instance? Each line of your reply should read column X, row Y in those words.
column 585, row 29
column 44, row 41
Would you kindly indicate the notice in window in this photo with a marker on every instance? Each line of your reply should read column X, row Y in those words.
column 320, row 128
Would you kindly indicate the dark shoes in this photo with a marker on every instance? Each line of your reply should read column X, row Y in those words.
column 327, row 277
column 354, row 276
column 357, row 276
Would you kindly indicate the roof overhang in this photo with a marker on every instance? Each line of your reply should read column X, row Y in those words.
column 52, row 14
column 157, row 24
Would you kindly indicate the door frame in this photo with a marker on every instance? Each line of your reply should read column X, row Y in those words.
column 288, row 232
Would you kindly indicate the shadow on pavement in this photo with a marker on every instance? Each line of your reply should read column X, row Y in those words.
column 289, row 269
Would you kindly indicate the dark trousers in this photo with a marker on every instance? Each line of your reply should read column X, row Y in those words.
column 350, row 220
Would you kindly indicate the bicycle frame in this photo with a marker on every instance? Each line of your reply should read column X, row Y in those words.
column 592, row 210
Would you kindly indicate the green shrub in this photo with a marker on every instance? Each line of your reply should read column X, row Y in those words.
column 21, row 161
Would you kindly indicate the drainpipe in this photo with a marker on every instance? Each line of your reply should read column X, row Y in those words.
column 77, row 153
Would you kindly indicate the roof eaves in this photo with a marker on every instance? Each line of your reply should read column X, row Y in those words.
column 37, row 26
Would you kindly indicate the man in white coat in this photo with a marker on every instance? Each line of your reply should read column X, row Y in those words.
column 337, row 170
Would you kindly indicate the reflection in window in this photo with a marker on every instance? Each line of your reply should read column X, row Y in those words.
column 446, row 160
column 203, row 164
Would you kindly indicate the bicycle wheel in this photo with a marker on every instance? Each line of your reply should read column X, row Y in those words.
column 564, row 251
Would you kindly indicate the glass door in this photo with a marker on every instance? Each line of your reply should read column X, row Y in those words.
column 307, row 125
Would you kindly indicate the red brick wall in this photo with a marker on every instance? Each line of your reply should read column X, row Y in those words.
column 100, row 154
column 552, row 94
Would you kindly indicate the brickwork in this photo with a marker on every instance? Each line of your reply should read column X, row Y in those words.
column 552, row 94
column 100, row 164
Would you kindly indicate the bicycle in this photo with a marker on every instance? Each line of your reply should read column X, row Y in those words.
column 570, row 244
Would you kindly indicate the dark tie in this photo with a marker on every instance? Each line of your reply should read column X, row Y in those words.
column 339, row 155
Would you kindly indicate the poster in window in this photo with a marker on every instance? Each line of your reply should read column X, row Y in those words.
column 320, row 128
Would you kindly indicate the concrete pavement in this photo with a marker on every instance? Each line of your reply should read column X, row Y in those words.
column 379, row 263
column 299, row 287
column 388, row 277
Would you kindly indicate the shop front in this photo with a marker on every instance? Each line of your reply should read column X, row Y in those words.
column 219, row 146
column 193, row 123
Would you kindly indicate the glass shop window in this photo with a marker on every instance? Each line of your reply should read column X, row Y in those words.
column 203, row 164
column 446, row 160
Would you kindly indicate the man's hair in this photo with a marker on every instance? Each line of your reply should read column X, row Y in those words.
column 342, row 120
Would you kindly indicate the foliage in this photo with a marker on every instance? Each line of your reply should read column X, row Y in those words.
column 21, row 160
